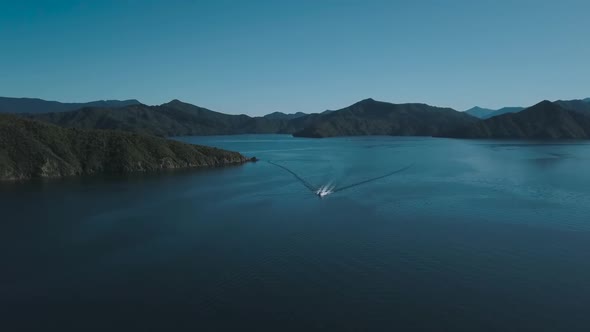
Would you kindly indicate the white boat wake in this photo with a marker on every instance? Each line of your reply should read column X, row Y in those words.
column 329, row 188
column 325, row 190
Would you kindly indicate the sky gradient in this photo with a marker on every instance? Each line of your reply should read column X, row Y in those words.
column 256, row 57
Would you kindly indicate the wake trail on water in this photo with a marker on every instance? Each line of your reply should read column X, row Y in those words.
column 302, row 180
column 372, row 179
column 329, row 188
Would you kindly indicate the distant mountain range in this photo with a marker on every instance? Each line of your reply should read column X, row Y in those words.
column 545, row 120
column 283, row 116
column 32, row 149
column 174, row 118
column 577, row 105
column 367, row 117
column 34, row 105
column 371, row 117
column 486, row 113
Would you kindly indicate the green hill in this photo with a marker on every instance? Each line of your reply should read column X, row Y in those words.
column 370, row 117
column 545, row 120
column 576, row 105
column 367, row 117
column 32, row 149
column 171, row 119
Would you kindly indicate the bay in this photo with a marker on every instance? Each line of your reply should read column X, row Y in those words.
column 466, row 235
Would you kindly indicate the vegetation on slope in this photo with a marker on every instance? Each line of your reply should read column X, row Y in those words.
column 370, row 117
column 576, row 105
column 171, row 119
column 545, row 120
column 31, row 149
column 367, row 117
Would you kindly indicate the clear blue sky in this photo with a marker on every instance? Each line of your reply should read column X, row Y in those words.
column 256, row 57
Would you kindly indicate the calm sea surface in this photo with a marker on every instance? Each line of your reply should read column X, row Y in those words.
column 473, row 236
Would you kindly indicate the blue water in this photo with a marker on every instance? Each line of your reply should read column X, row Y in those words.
column 473, row 236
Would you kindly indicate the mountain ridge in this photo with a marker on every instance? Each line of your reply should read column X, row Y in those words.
column 544, row 120
column 365, row 117
column 371, row 117
column 486, row 113
column 36, row 105
column 284, row 116
column 578, row 105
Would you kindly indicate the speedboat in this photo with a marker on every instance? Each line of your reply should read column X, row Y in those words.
column 324, row 191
